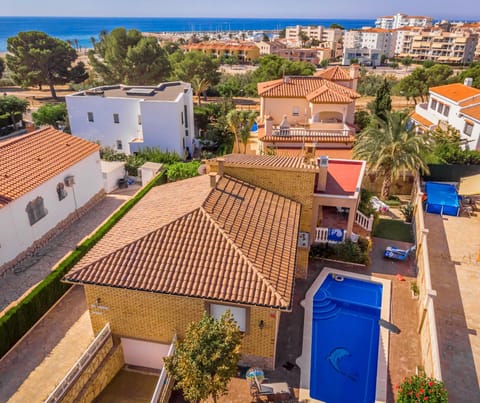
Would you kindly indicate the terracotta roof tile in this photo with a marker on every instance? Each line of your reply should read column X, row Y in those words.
column 238, row 246
column 472, row 111
column 268, row 161
column 29, row 160
column 335, row 74
column 302, row 87
column 342, row 153
column 325, row 95
column 420, row 119
column 456, row 92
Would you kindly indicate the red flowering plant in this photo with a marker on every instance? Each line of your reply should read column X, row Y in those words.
column 420, row 388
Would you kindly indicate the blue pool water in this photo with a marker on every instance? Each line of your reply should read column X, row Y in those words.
column 345, row 337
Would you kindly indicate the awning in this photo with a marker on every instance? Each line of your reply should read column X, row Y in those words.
column 469, row 185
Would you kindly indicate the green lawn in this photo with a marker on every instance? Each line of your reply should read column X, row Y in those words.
column 395, row 230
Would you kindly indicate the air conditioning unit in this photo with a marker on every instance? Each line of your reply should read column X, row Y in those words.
column 69, row 181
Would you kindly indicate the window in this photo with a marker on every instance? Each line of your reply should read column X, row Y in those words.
column 181, row 115
column 238, row 313
column 446, row 110
column 440, row 108
column 468, row 128
column 90, row 116
column 119, row 145
column 36, row 210
column 116, row 118
column 185, row 112
column 433, row 104
column 61, row 192
column 186, row 133
column 295, row 111
column 139, row 120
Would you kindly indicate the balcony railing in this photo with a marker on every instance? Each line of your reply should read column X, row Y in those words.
column 163, row 380
column 304, row 132
column 363, row 221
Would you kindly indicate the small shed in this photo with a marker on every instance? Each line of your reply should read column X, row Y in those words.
column 148, row 170
column 112, row 171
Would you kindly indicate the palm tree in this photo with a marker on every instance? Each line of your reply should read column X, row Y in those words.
column 391, row 147
column 199, row 86
column 240, row 124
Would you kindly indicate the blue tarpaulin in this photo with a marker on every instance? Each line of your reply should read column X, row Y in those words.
column 335, row 235
column 442, row 198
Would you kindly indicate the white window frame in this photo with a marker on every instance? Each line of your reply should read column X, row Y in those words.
column 239, row 313
column 119, row 145
column 116, row 118
column 90, row 117
column 468, row 129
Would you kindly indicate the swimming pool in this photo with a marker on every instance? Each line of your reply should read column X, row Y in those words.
column 344, row 357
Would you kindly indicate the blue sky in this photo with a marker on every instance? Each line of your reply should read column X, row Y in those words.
column 449, row 9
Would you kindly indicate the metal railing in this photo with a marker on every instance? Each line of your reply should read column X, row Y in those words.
column 302, row 132
column 363, row 221
column 162, row 379
column 62, row 388
column 321, row 236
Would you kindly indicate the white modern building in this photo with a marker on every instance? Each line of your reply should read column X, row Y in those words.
column 48, row 178
column 327, row 37
column 378, row 40
column 456, row 105
column 364, row 56
column 402, row 20
column 128, row 118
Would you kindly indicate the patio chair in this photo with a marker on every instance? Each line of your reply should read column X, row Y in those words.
column 278, row 391
column 391, row 252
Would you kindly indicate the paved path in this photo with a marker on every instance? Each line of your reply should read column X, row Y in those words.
column 13, row 284
column 30, row 371
column 454, row 247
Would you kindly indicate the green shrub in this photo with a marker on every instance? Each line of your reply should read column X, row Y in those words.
column 19, row 319
column 419, row 388
column 347, row 252
column 182, row 170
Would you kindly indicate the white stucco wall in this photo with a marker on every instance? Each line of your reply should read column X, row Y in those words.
column 112, row 171
column 17, row 234
column 103, row 128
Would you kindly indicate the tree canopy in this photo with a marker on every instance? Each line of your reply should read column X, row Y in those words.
column 240, row 123
column 12, row 105
column 51, row 114
column 473, row 71
column 127, row 57
column 392, row 147
column 189, row 65
column 335, row 25
column 207, row 358
column 35, row 58
column 382, row 102
column 272, row 67
column 2, row 67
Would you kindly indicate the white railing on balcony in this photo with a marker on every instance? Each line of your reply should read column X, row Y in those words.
column 162, row 379
column 363, row 221
column 321, row 236
column 80, row 365
column 302, row 132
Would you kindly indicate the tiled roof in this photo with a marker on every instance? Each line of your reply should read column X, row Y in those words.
column 309, row 139
column 29, row 160
column 343, row 177
column 420, row 119
column 335, row 74
column 342, row 153
column 238, row 245
column 268, row 161
column 472, row 111
column 456, row 92
column 302, row 87
column 325, row 95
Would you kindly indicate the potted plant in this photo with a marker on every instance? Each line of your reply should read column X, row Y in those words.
column 415, row 290
column 407, row 212
column 420, row 388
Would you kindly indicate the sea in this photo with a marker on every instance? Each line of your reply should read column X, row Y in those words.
column 82, row 29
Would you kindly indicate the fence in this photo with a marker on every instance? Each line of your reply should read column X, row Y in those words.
column 427, row 328
column 79, row 366
column 363, row 221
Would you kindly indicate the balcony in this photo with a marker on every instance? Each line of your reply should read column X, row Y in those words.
column 316, row 129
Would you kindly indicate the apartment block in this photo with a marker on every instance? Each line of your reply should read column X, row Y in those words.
column 328, row 37
column 402, row 20
column 380, row 41
column 244, row 52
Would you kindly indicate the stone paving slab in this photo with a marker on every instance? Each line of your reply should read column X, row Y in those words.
column 32, row 369
column 454, row 247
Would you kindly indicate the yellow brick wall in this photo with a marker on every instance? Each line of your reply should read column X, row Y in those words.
column 155, row 317
column 295, row 185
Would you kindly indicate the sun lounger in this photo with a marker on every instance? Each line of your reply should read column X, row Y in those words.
column 397, row 254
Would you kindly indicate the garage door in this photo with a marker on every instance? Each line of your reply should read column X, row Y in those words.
column 144, row 353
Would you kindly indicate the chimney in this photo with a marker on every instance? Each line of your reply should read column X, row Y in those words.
column 354, row 70
column 213, row 179
column 322, row 163
column 221, row 166
column 468, row 81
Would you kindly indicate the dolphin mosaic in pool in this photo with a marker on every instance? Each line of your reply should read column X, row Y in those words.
column 334, row 358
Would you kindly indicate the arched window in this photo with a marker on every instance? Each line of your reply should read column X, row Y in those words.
column 61, row 192
column 36, row 210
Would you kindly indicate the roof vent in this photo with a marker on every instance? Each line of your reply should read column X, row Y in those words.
column 468, row 81
column 140, row 91
column 323, row 161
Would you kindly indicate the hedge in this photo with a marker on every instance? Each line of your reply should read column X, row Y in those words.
column 19, row 319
